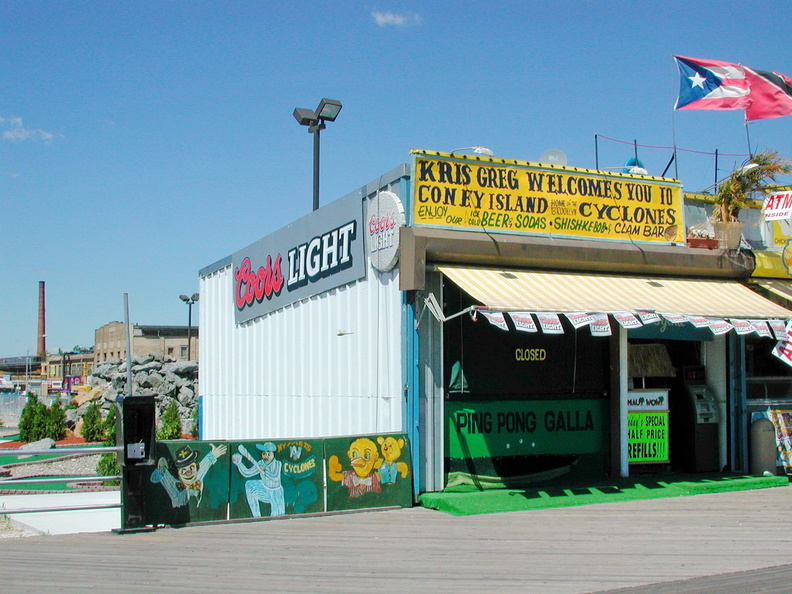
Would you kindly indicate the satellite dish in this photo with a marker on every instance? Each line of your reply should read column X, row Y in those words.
column 554, row 157
column 634, row 166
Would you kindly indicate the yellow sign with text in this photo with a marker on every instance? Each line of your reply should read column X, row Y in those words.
column 498, row 196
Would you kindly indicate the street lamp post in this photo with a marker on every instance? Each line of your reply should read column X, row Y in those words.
column 189, row 301
column 315, row 120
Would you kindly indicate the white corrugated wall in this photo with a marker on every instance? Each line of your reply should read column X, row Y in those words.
column 329, row 365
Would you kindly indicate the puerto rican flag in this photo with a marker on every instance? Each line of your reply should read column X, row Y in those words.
column 712, row 84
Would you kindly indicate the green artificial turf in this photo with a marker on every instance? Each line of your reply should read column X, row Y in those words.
column 642, row 487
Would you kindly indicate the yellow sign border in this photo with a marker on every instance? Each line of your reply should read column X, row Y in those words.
column 520, row 197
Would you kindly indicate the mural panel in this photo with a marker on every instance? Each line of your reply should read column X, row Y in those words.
column 368, row 471
column 275, row 478
column 188, row 483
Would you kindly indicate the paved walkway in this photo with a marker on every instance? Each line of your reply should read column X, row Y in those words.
column 582, row 549
column 64, row 522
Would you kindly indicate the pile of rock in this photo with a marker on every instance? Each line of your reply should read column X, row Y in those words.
column 165, row 378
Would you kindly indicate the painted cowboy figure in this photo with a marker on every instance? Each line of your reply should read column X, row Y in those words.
column 190, row 473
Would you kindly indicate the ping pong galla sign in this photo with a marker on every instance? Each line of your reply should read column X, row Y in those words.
column 319, row 252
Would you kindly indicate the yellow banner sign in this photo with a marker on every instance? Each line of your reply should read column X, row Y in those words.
column 529, row 199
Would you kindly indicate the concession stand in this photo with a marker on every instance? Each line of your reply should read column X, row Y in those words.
column 488, row 309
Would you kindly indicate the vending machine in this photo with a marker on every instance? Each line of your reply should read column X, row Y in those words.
column 700, row 420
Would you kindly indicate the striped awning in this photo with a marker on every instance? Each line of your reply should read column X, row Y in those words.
column 782, row 288
column 543, row 291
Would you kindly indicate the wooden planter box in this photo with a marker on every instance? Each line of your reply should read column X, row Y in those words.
column 709, row 243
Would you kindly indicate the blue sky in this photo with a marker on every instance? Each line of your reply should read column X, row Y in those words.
column 142, row 141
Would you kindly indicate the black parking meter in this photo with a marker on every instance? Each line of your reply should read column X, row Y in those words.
column 136, row 435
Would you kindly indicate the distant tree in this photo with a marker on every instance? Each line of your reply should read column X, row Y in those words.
column 33, row 420
column 92, row 428
column 109, row 427
column 108, row 463
column 171, row 422
column 55, row 421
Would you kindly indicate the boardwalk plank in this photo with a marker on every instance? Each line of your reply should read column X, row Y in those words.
column 580, row 549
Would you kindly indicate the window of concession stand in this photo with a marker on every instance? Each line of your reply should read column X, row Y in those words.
column 768, row 368
column 529, row 379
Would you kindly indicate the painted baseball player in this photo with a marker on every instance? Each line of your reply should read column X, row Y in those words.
column 267, row 488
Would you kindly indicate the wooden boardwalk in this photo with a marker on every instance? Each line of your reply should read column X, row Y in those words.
column 582, row 549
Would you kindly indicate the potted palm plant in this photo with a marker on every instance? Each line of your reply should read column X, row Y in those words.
column 744, row 184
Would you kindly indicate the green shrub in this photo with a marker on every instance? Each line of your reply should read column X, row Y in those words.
column 194, row 430
column 92, row 428
column 108, row 463
column 171, row 423
column 109, row 427
column 33, row 420
column 55, row 421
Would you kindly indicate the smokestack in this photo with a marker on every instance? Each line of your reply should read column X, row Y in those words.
column 41, row 348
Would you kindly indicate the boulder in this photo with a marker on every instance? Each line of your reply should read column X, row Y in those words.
column 182, row 368
column 147, row 367
column 72, row 416
column 110, row 395
column 152, row 380
column 186, row 396
column 92, row 394
column 78, row 428
column 41, row 444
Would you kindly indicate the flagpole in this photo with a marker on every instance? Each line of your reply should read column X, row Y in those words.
column 674, row 80
column 748, row 137
column 596, row 153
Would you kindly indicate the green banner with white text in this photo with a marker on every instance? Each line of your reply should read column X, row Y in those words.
column 525, row 428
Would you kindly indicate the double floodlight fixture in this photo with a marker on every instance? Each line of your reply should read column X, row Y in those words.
column 326, row 112
column 189, row 300
column 315, row 120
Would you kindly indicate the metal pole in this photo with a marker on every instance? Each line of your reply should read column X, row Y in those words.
column 128, row 345
column 596, row 153
column 316, row 167
column 748, row 138
column 189, row 328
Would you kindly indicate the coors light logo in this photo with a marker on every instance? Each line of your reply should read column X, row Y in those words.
column 307, row 263
column 253, row 286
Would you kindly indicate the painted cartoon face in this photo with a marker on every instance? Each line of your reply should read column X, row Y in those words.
column 267, row 457
column 391, row 448
column 188, row 474
column 362, row 456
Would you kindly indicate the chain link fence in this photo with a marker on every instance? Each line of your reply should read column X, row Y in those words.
column 12, row 403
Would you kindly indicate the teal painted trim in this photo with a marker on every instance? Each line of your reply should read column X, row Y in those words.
column 410, row 381
column 405, row 193
column 200, row 417
column 737, row 404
